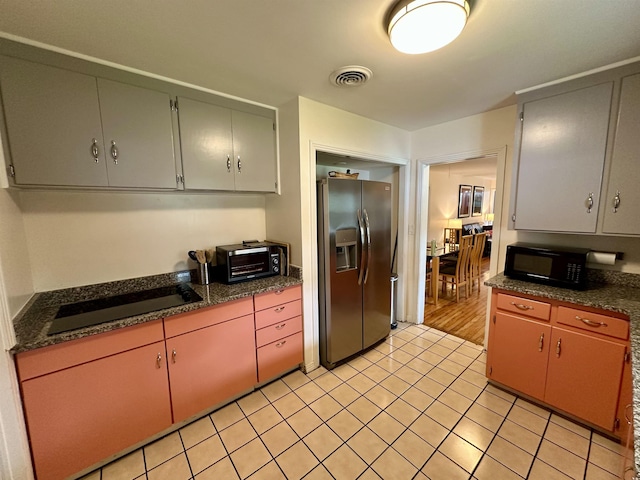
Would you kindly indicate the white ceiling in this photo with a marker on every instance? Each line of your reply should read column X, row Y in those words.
column 271, row 51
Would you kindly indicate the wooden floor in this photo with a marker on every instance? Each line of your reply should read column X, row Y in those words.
column 465, row 319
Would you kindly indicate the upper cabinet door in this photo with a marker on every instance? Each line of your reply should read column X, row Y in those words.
column 562, row 152
column 623, row 196
column 207, row 145
column 138, row 136
column 254, row 152
column 53, row 124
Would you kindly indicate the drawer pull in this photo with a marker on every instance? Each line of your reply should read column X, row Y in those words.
column 159, row 360
column 174, row 354
column 558, row 347
column 591, row 323
column 278, row 292
column 279, row 309
column 281, row 344
column 521, row 306
column 280, row 327
column 541, row 342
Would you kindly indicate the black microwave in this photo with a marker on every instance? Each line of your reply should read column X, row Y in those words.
column 554, row 266
column 237, row 263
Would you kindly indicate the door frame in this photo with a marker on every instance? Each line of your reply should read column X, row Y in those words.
column 422, row 216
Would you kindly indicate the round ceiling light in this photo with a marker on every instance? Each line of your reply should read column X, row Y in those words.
column 421, row 26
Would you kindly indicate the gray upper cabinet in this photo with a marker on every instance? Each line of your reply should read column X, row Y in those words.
column 207, row 145
column 138, row 136
column 53, row 119
column 225, row 149
column 70, row 129
column 561, row 160
column 621, row 214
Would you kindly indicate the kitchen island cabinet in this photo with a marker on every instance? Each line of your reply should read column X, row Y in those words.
column 574, row 359
column 210, row 365
column 101, row 405
column 67, row 128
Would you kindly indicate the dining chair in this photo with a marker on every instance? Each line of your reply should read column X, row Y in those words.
column 475, row 259
column 458, row 274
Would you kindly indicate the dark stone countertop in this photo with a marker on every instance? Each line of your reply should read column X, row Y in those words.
column 613, row 291
column 33, row 322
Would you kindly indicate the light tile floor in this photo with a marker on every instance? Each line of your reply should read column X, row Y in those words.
column 417, row 406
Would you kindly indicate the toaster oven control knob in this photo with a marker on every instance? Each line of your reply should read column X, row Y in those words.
column 276, row 269
column 276, row 261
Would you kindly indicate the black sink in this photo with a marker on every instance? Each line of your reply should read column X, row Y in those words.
column 94, row 312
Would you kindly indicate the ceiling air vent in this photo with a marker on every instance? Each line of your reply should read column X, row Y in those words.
column 350, row 76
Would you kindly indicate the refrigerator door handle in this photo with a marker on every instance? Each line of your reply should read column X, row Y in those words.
column 366, row 223
column 362, row 254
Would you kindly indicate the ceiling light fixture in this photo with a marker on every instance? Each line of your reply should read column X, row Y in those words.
column 421, row 26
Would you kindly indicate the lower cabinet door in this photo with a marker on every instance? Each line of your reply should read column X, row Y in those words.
column 81, row 415
column 518, row 351
column 279, row 356
column 584, row 376
column 210, row 365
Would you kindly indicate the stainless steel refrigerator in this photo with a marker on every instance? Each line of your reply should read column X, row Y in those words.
column 354, row 265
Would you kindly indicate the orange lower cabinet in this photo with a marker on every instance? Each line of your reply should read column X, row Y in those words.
column 278, row 357
column 83, row 414
column 210, row 365
column 519, row 350
column 584, row 376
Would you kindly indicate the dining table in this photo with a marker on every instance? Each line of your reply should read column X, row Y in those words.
column 434, row 256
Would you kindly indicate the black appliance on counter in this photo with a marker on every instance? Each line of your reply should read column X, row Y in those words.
column 247, row 261
column 555, row 266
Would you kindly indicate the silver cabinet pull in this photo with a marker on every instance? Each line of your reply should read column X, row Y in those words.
column 278, row 292
column 159, row 360
column 239, row 165
column 228, row 164
column 174, row 354
column 95, row 152
column 114, row 152
column 589, row 202
column 616, row 201
column 541, row 342
column 281, row 344
column 558, row 347
column 280, row 327
column 521, row 306
column 591, row 323
column 279, row 309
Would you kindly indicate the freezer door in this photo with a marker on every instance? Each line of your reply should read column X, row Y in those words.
column 340, row 295
column 376, row 207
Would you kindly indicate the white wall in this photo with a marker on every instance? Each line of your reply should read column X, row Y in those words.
column 336, row 131
column 82, row 238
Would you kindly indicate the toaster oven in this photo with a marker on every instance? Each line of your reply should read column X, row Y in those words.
column 241, row 262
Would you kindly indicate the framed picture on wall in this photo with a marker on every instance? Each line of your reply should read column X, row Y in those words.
column 464, row 201
column 478, row 198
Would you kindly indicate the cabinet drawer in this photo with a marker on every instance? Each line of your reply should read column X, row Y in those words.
column 594, row 322
column 188, row 322
column 279, row 330
column 75, row 352
column 277, row 314
column 524, row 306
column 271, row 299
column 278, row 357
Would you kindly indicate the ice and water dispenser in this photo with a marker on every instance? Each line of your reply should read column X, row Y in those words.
column 346, row 249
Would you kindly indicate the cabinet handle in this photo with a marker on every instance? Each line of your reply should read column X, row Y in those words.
column 280, row 344
column 591, row 323
column 541, row 342
column 278, row 292
column 228, row 164
column 616, row 202
column 558, row 347
column 159, row 360
column 589, row 202
column 239, row 165
column 521, row 306
column 114, row 152
column 279, row 309
column 628, row 409
column 174, row 354
column 95, row 152
column 280, row 327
